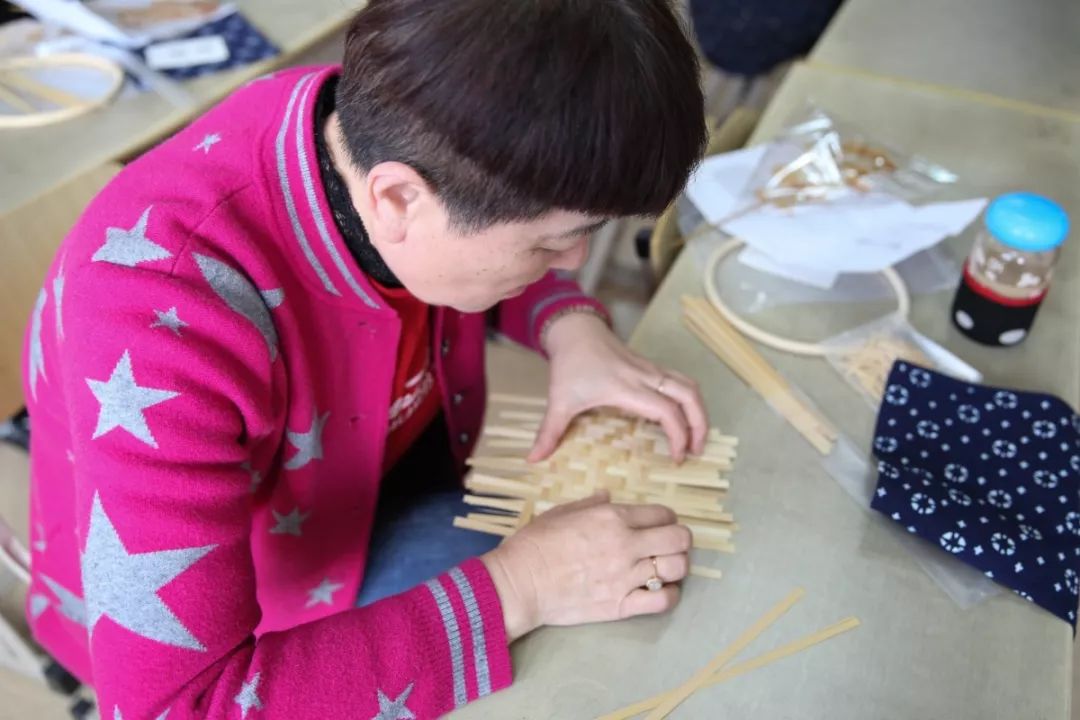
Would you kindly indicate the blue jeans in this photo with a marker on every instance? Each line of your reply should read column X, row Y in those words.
column 414, row 540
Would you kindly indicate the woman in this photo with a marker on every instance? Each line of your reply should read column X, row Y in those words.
column 256, row 368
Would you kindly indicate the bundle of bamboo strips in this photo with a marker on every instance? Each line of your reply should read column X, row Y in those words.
column 602, row 450
column 753, row 369
column 868, row 364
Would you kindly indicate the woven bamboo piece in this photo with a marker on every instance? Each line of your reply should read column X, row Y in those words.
column 602, row 450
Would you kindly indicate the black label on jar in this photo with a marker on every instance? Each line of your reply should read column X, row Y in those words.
column 989, row 318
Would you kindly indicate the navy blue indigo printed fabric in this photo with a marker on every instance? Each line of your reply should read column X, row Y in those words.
column 246, row 45
column 987, row 474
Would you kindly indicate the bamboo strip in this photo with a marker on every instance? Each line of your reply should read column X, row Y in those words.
column 495, row 519
column 706, row 572
column 490, row 529
column 677, row 696
column 689, row 516
column 526, row 415
column 512, row 399
column 651, row 431
column 505, row 431
column 752, row 369
column 707, row 543
column 508, row 444
column 700, row 530
column 734, row 342
column 501, row 486
column 496, row 503
column 693, row 480
column 502, row 464
column 734, row 671
column 786, row 650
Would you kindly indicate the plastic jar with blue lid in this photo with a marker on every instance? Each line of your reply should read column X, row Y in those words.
column 1008, row 272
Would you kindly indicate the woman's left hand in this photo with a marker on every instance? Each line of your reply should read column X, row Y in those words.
column 591, row 367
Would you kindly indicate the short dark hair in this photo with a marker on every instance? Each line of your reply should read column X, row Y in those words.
column 511, row 108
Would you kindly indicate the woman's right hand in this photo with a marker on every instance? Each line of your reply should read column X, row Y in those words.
column 588, row 561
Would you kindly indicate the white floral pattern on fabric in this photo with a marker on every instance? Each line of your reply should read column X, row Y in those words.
column 928, row 429
column 953, row 541
column 954, row 472
column 1003, row 543
column 920, row 378
column 923, row 504
column 1045, row 479
column 889, row 444
column 896, row 395
column 1000, row 499
column 1006, row 400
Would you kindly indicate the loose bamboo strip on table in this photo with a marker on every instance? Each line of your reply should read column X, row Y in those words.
column 676, row 696
column 755, row 371
column 735, row 345
column 784, row 651
column 747, row 363
column 733, row 671
column 735, row 349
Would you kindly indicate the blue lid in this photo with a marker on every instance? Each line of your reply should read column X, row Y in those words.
column 1027, row 221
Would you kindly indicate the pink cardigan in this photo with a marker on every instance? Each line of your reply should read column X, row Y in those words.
column 208, row 375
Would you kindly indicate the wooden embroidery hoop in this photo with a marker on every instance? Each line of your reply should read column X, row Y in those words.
column 17, row 84
column 778, row 342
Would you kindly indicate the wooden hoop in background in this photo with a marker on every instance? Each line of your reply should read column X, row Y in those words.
column 13, row 77
column 789, row 345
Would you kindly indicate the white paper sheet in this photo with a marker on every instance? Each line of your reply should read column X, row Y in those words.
column 813, row 243
column 719, row 181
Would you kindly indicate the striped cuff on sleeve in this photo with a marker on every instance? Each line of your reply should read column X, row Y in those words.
column 475, row 633
column 563, row 301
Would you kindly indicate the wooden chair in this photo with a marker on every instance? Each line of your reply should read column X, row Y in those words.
column 29, row 237
column 665, row 241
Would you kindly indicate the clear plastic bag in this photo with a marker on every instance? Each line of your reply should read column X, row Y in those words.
column 820, row 158
column 748, row 290
column 864, row 355
column 965, row 585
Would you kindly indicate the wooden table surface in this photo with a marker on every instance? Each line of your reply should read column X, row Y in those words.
column 1025, row 52
column 917, row 654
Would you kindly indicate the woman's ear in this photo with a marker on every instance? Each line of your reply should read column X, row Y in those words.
column 395, row 195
